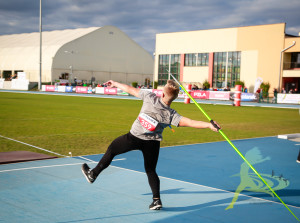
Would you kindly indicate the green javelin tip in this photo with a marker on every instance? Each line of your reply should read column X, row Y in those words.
column 233, row 146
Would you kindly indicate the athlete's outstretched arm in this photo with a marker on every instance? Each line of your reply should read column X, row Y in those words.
column 131, row 90
column 186, row 122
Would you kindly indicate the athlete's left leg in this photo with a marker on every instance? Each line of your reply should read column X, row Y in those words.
column 151, row 152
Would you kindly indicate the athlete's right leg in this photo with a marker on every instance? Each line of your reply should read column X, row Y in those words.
column 120, row 145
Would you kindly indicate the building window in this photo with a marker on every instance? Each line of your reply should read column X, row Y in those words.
column 226, row 69
column 196, row 59
column 190, row 59
column 202, row 59
column 7, row 75
column 295, row 60
column 168, row 63
column 163, row 68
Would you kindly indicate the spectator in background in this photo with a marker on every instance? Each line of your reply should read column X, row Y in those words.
column 227, row 89
column 13, row 76
column 195, row 87
column 295, row 91
column 274, row 100
column 283, row 91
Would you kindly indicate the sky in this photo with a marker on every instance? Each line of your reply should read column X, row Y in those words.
column 141, row 20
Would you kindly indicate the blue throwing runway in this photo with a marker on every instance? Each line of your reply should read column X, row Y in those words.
column 199, row 183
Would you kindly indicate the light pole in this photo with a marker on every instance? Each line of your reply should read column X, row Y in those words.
column 154, row 55
column 40, row 70
column 71, row 67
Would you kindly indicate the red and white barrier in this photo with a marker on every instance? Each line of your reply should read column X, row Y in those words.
column 187, row 99
column 238, row 92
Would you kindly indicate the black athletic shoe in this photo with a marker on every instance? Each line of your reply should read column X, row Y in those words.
column 87, row 173
column 156, row 205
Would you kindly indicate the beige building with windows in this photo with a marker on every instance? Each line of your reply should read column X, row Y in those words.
column 224, row 56
column 96, row 53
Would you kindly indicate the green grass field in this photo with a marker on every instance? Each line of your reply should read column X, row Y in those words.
column 84, row 125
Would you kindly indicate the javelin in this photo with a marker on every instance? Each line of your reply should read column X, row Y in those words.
column 233, row 146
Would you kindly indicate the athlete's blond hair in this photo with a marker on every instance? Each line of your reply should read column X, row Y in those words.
column 171, row 90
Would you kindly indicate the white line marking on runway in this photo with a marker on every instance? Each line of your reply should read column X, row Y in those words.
column 32, row 146
column 59, row 165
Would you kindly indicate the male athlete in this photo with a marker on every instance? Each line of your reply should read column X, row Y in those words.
column 146, row 133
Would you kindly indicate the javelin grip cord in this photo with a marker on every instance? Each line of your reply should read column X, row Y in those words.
column 233, row 146
column 214, row 124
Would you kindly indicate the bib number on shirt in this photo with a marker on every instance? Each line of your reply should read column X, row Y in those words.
column 147, row 122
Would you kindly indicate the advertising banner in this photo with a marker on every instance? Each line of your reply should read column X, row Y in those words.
column 21, row 75
column 81, row 89
column 69, row 89
column 288, row 98
column 20, row 84
column 61, row 88
column 99, row 90
column 120, row 92
column 108, row 90
column 181, row 94
column 219, row 95
column 157, row 92
column 1, row 82
column 50, row 88
column 249, row 97
column 200, row 94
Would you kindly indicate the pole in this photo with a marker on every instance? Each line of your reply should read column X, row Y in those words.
column 40, row 71
column 154, row 55
column 233, row 146
column 280, row 62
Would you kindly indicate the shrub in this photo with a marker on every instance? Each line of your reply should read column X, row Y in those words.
column 134, row 84
column 265, row 86
column 206, row 85
column 240, row 83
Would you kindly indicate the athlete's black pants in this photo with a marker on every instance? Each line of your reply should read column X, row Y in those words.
column 126, row 143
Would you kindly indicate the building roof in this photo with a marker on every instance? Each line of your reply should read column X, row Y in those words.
column 57, row 37
column 21, row 51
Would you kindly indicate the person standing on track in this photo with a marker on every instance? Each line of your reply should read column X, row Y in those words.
column 146, row 133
